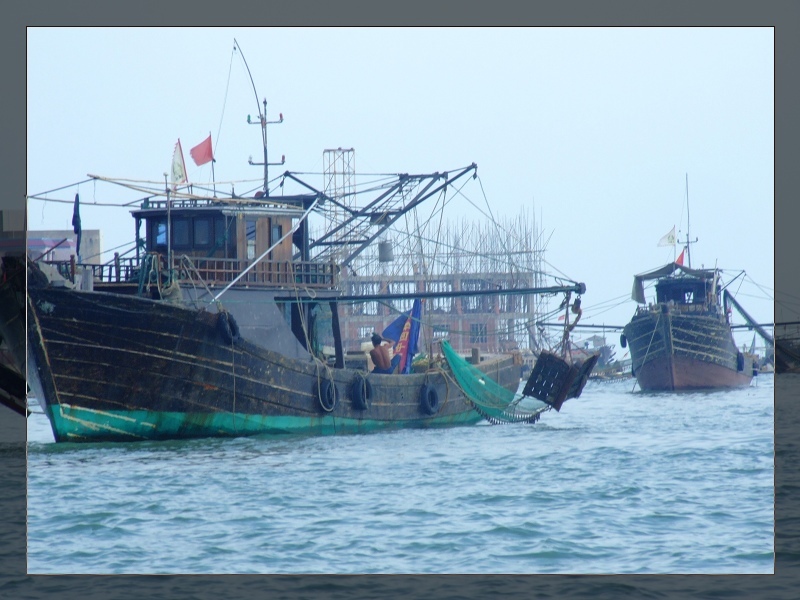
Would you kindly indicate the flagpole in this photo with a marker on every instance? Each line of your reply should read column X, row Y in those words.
column 688, row 251
column 169, row 231
column 213, row 176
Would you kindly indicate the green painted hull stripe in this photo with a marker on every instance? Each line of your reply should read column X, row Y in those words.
column 75, row 424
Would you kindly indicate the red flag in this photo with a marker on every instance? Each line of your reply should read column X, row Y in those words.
column 202, row 153
column 679, row 261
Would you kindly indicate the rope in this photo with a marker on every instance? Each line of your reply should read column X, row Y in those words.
column 447, row 378
column 652, row 335
column 318, row 363
column 185, row 260
column 233, row 374
column 225, row 99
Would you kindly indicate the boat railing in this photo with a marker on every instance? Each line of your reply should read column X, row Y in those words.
column 697, row 307
column 267, row 273
column 213, row 271
column 119, row 270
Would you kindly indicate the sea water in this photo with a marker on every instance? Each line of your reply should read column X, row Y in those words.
column 619, row 481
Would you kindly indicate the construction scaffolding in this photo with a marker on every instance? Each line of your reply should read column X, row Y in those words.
column 463, row 256
column 384, row 248
column 339, row 172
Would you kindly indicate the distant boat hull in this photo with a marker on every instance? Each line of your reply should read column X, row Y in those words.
column 680, row 351
column 13, row 390
column 787, row 347
column 680, row 373
column 108, row 367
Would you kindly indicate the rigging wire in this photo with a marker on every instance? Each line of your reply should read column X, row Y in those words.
column 494, row 222
column 224, row 100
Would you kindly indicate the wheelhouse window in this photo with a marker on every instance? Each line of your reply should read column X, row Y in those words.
column 251, row 239
column 277, row 234
column 180, row 233
column 158, row 233
column 221, row 237
column 202, row 231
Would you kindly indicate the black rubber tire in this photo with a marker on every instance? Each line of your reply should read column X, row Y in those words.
column 623, row 341
column 361, row 392
column 327, row 394
column 429, row 399
column 228, row 327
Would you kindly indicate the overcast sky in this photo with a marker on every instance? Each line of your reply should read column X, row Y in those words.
column 598, row 128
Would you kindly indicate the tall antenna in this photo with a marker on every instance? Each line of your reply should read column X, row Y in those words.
column 688, row 241
column 688, row 251
column 262, row 120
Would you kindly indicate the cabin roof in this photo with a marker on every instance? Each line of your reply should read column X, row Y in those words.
column 638, row 280
column 285, row 206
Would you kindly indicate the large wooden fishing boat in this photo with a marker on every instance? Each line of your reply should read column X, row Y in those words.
column 140, row 351
column 216, row 327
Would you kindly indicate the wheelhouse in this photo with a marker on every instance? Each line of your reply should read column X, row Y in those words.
column 221, row 238
column 684, row 290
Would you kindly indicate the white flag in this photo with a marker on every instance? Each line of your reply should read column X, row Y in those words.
column 178, row 174
column 669, row 239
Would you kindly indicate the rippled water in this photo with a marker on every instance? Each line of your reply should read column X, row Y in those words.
column 618, row 482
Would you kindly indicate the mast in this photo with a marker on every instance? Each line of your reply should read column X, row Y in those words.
column 689, row 242
column 688, row 251
column 169, row 232
column 262, row 120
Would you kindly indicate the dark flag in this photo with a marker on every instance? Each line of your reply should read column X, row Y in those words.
column 76, row 224
column 405, row 329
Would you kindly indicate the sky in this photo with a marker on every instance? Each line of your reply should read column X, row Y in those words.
column 598, row 130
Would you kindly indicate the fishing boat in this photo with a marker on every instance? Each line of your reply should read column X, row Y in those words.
column 217, row 326
column 164, row 346
column 683, row 340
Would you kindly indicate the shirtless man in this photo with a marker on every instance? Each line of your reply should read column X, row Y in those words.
column 380, row 356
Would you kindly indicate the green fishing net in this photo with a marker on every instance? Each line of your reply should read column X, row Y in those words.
column 491, row 400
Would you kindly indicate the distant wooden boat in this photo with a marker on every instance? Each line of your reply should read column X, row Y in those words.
column 683, row 340
column 787, row 347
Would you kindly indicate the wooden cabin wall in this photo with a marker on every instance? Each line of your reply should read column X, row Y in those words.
column 263, row 230
column 262, row 237
column 241, row 237
column 284, row 251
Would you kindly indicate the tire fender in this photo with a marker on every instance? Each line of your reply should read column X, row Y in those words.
column 327, row 394
column 429, row 399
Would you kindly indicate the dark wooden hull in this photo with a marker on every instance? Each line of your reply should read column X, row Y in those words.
column 673, row 351
column 13, row 391
column 117, row 368
column 787, row 348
